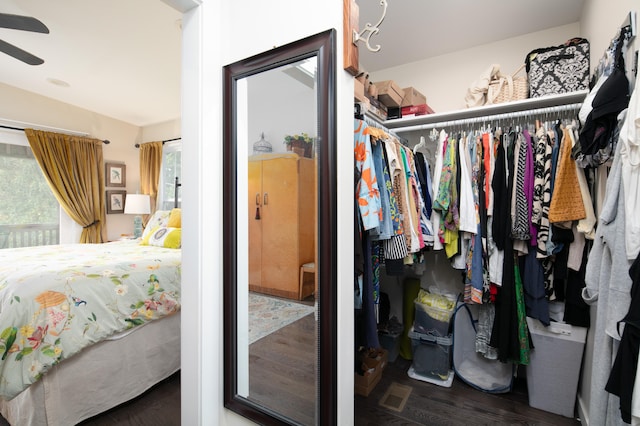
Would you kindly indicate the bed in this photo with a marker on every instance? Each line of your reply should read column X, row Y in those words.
column 86, row 327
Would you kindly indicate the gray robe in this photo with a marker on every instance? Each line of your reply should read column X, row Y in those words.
column 608, row 285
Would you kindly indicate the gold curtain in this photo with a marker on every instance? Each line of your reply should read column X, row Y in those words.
column 74, row 169
column 150, row 166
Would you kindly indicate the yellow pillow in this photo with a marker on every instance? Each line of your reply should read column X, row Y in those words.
column 159, row 218
column 163, row 236
column 175, row 218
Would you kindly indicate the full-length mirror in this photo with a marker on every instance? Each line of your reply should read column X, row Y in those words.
column 279, row 233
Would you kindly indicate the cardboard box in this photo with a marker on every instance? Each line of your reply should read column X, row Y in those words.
column 358, row 91
column 389, row 93
column 372, row 90
column 365, row 384
column 413, row 97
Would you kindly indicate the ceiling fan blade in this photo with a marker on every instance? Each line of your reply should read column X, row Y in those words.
column 19, row 54
column 24, row 23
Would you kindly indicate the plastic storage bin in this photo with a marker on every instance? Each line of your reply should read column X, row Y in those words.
column 432, row 320
column 554, row 366
column 391, row 342
column 433, row 312
column 431, row 354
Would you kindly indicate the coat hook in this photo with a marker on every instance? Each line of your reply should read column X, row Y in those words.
column 370, row 30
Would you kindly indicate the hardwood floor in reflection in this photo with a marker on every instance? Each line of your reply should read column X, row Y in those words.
column 282, row 370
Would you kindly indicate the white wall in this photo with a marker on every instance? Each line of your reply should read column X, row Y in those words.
column 277, row 116
column 217, row 34
column 444, row 79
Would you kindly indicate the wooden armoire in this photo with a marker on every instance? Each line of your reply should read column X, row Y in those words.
column 282, row 221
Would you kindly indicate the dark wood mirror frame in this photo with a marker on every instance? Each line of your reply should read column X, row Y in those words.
column 322, row 46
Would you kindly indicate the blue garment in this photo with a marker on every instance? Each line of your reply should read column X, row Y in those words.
column 535, row 299
column 385, row 230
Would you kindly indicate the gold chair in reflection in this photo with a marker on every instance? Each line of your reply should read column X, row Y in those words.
column 309, row 268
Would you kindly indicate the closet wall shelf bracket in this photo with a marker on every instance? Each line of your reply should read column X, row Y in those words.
column 426, row 121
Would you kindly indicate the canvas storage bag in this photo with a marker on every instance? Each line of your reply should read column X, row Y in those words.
column 558, row 69
column 471, row 367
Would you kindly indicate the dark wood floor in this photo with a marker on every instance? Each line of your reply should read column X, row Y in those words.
column 158, row 406
column 282, row 377
column 462, row 405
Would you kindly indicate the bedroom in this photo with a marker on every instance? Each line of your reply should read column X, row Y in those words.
column 205, row 375
column 123, row 121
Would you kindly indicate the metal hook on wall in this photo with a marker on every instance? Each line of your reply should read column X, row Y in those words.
column 371, row 30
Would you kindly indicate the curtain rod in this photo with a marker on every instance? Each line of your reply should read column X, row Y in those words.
column 494, row 117
column 163, row 142
column 106, row 141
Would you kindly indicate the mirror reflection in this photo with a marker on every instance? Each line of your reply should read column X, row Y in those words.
column 277, row 216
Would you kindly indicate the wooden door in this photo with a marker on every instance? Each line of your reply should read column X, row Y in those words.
column 280, row 264
column 255, row 222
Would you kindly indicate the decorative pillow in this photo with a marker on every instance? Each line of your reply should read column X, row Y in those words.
column 164, row 236
column 175, row 218
column 159, row 218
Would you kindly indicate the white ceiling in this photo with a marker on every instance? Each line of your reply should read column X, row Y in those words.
column 121, row 58
column 417, row 29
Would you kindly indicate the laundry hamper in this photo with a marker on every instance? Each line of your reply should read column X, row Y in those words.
column 471, row 367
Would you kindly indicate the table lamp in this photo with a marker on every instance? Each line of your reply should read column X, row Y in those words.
column 137, row 204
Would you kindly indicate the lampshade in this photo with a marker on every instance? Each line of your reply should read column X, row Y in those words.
column 137, row 204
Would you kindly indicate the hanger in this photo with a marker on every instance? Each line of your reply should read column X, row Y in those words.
column 421, row 144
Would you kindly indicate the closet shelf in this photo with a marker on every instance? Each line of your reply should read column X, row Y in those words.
column 415, row 123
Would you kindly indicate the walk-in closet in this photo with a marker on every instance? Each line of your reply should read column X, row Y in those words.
column 496, row 250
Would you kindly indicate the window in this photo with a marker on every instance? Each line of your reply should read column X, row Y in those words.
column 29, row 212
column 171, row 168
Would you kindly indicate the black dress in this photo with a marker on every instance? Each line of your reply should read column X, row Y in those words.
column 623, row 372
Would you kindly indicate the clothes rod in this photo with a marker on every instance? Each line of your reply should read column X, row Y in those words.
column 163, row 142
column 70, row 132
column 494, row 117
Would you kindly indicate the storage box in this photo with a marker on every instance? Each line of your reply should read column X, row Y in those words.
column 413, row 97
column 364, row 384
column 431, row 354
column 358, row 91
column 389, row 93
column 391, row 343
column 554, row 366
column 432, row 320
column 423, row 109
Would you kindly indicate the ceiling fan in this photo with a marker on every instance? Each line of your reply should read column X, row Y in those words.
column 24, row 23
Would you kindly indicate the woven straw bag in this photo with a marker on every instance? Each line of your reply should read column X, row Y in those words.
column 507, row 88
column 566, row 200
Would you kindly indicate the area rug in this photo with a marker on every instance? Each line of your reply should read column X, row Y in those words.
column 269, row 314
column 396, row 397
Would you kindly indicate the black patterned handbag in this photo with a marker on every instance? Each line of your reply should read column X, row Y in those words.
column 558, row 69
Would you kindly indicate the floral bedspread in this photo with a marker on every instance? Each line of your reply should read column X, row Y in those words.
column 57, row 300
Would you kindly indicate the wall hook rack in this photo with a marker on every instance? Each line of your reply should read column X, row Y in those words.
column 370, row 30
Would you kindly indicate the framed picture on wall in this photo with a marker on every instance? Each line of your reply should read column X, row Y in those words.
column 115, row 201
column 115, row 174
